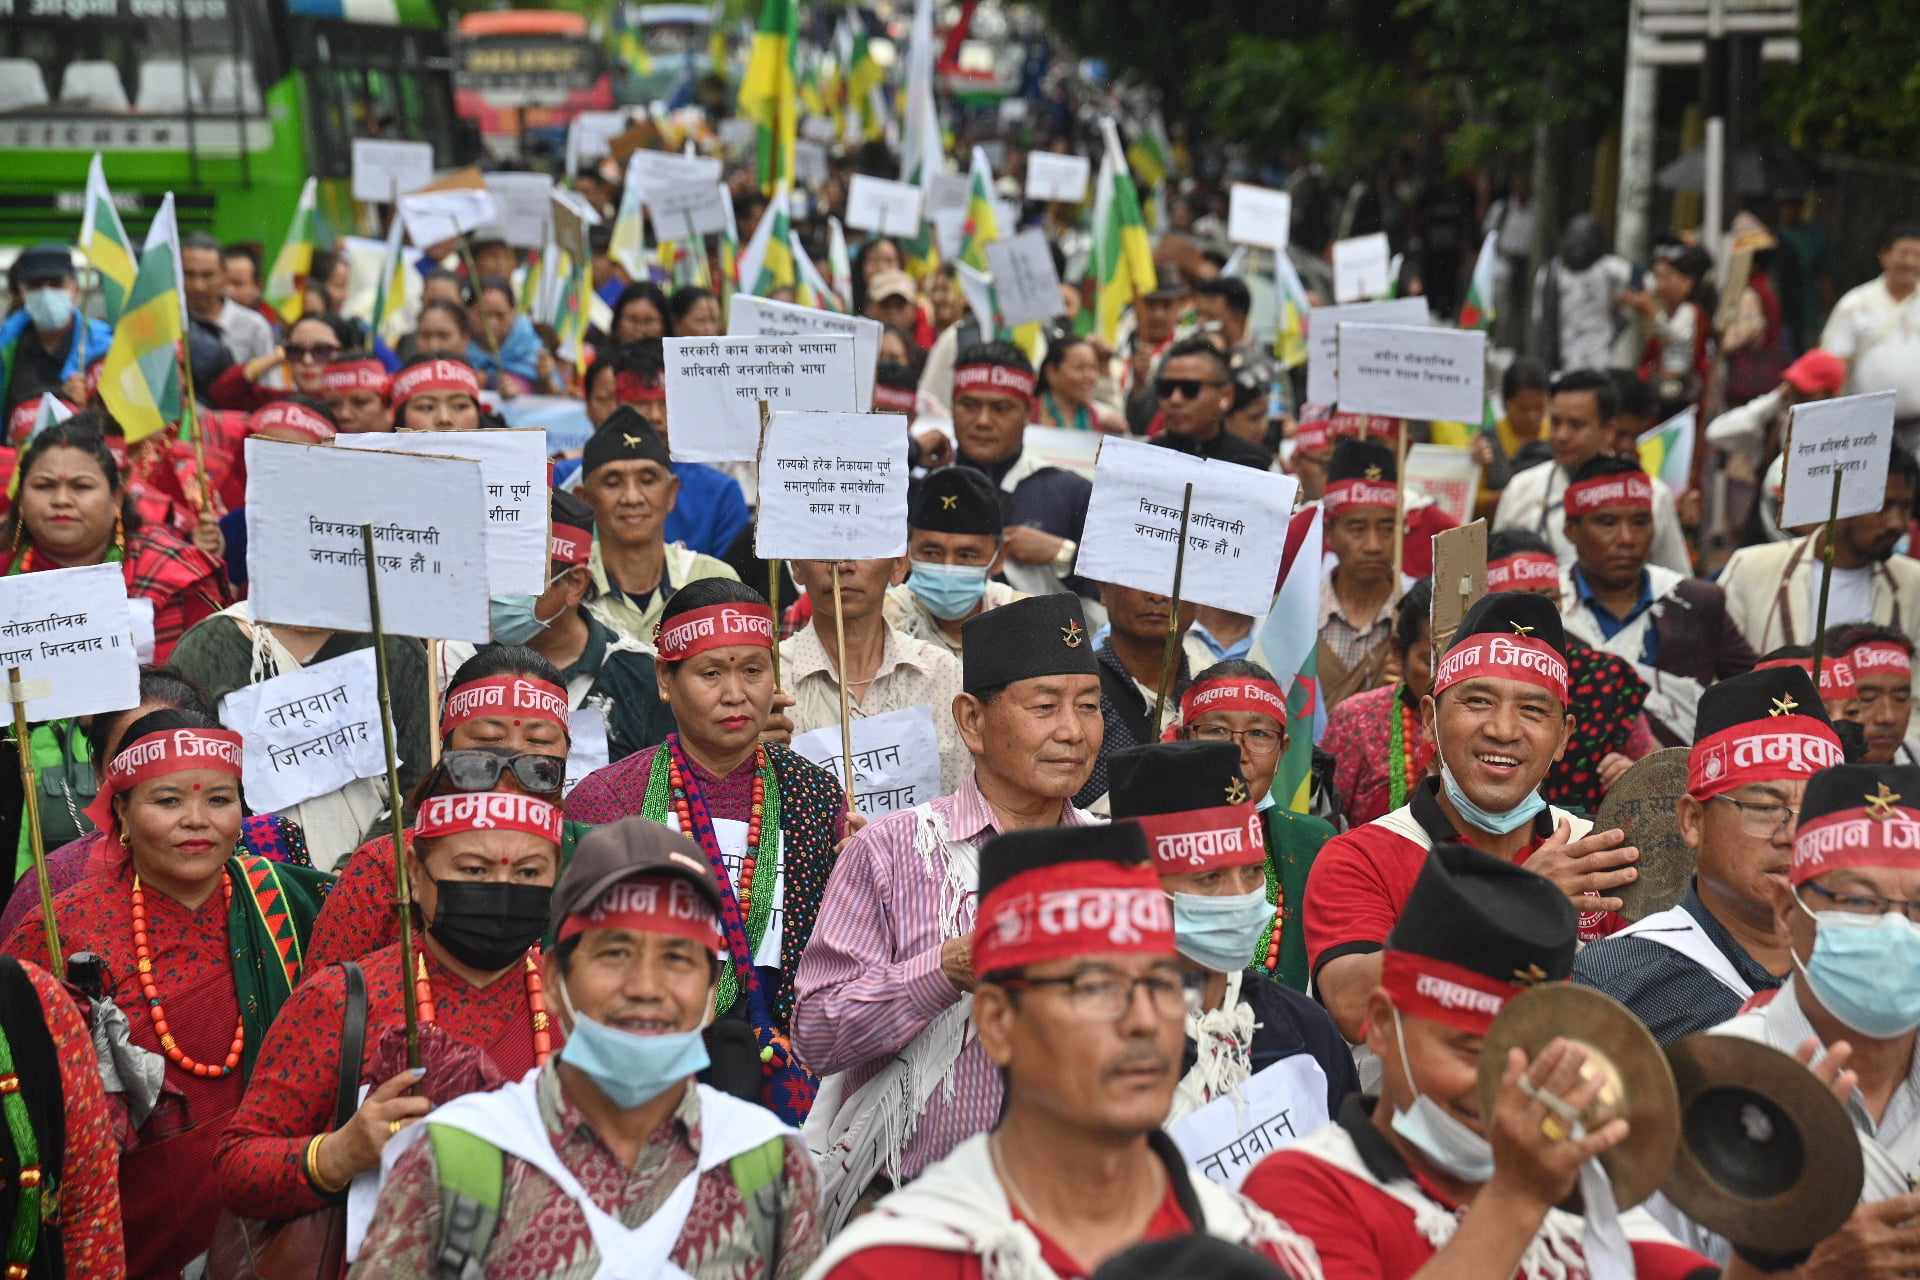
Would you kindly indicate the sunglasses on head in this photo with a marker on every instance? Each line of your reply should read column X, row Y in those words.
column 312, row 355
column 479, row 769
column 1166, row 388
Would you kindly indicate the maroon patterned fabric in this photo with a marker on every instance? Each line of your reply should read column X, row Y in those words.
column 1604, row 694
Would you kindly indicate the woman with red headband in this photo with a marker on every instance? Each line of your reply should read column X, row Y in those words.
column 482, row 866
column 436, row 393
column 201, row 946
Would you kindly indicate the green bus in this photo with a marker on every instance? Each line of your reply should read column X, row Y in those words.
column 229, row 104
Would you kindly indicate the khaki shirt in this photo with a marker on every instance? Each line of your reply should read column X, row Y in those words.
column 912, row 673
column 906, row 614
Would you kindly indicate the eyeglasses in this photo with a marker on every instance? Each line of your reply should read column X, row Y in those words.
column 1867, row 904
column 312, row 355
column 479, row 769
column 1762, row 819
column 1166, row 388
column 1257, row 741
column 1106, row 997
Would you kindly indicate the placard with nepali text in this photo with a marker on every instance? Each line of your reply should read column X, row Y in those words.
column 1024, row 280
column 1057, row 177
column 1259, row 216
column 305, row 559
column 308, row 732
column 747, row 314
column 1360, row 268
column 1853, row 434
column 882, row 206
column 715, row 386
column 1413, row 371
column 833, row 486
column 384, row 169
column 686, row 209
column 1323, row 338
column 896, row 758
column 70, row 632
column 1226, row 1138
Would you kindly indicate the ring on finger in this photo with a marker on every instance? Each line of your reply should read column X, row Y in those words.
column 1554, row 1130
column 393, row 1127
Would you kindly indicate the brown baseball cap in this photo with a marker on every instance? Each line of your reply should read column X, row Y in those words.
column 623, row 850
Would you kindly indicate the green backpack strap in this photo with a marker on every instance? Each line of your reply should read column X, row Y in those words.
column 758, row 1175
column 472, row 1172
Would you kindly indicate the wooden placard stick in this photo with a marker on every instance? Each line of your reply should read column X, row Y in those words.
column 1170, row 661
column 403, row 889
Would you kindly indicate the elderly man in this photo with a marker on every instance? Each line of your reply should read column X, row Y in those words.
column 1080, row 1007
column 955, row 545
column 612, row 1150
column 885, row 986
column 1875, row 328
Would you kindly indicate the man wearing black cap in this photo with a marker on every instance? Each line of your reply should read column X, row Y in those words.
column 628, row 480
column 1080, row 1005
column 954, row 541
column 1419, row 1182
column 1692, row 966
column 46, row 345
column 884, row 988
column 1499, row 716
column 1357, row 595
column 585, row 1154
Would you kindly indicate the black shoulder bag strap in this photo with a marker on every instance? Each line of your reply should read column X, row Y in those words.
column 353, row 1044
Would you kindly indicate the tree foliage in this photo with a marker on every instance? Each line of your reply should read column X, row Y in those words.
column 1856, row 88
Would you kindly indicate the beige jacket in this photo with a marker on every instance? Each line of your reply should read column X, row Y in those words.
column 631, row 621
column 1767, row 588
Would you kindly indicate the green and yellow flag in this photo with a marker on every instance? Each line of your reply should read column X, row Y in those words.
column 769, row 96
column 390, row 295
column 767, row 263
column 140, row 382
column 286, row 290
column 1122, row 256
column 104, row 240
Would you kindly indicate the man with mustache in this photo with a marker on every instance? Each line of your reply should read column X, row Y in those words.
column 1080, row 1007
column 1691, row 967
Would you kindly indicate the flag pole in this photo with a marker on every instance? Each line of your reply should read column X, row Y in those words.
column 403, row 890
column 1400, row 507
column 846, row 714
column 1169, row 663
column 36, row 838
column 1826, row 577
column 773, row 565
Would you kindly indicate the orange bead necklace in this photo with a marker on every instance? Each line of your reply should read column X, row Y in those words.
column 143, row 957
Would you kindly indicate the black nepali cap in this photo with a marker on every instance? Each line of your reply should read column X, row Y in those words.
column 625, row 436
column 1514, row 613
column 1174, row 777
column 1361, row 460
column 957, row 500
column 1760, row 694
column 1889, row 790
column 1035, row 848
column 1486, row 915
column 1039, row 636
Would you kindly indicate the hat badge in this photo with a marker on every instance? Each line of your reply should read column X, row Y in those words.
column 633, row 442
column 1521, row 628
column 1880, row 806
column 1373, row 473
column 1783, row 705
column 1073, row 633
column 1236, row 791
column 1530, row 975
column 949, row 501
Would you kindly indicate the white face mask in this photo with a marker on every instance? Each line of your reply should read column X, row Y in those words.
column 1437, row 1133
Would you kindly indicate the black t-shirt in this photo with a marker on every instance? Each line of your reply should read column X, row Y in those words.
column 35, row 369
column 1226, row 446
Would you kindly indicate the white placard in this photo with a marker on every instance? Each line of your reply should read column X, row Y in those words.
column 1075, row 451
column 383, row 170
column 71, row 634
column 809, row 161
column 308, row 732
column 1413, row 371
column 520, row 201
column 572, row 215
column 1024, row 280
column 590, row 135
column 650, row 170
column 833, row 486
column 1360, row 268
column 513, row 467
column 587, row 748
column 715, row 386
column 896, row 758
column 737, row 133
column 1275, row 1109
column 1446, row 473
column 949, row 229
column 436, row 216
column 305, row 563
column 141, row 610
column 1236, row 530
column 748, row 315
column 818, row 129
column 947, row 191
column 1323, row 338
column 1056, row 177
column 683, row 209
column 1259, row 215
column 1854, row 434
column 889, row 208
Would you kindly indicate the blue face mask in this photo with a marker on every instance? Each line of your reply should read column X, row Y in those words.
column 1437, row 1133
column 630, row 1069
column 514, row 620
column 51, row 309
column 1486, row 819
column 1866, row 971
column 950, row 591
column 1219, row 933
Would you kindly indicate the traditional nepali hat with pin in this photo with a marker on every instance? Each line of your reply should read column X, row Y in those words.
column 957, row 500
column 1476, row 931
column 625, row 436
column 1039, row 636
column 1048, row 893
column 1192, row 801
column 1510, row 636
column 1361, row 474
column 1837, row 680
column 1858, row 815
column 1764, row 726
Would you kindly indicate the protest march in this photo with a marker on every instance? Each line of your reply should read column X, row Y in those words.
column 797, row 641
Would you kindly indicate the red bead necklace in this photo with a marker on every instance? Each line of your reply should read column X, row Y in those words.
column 536, row 1005
column 681, row 810
column 143, row 956
column 1279, row 929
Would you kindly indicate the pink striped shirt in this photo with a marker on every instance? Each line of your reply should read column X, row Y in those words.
column 870, row 979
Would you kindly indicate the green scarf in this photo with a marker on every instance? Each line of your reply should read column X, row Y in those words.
column 268, row 923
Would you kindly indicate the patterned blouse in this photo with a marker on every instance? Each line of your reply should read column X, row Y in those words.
column 90, row 1235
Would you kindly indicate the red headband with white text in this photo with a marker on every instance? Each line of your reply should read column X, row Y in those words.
column 1234, row 694
column 286, row 415
column 487, row 811
column 1198, row 840
column 1879, row 834
column 1072, row 909
column 631, row 388
column 507, row 696
column 651, row 904
column 356, row 375
column 1774, row 749
column 1522, row 571
column 1423, row 987
column 1618, row 489
column 155, row 755
column 1490, row 655
column 993, row 377
column 431, row 376
column 714, row 627
column 569, row 544
column 1836, row 675
column 1356, row 492
column 1872, row 658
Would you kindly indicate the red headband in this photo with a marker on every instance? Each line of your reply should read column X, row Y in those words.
column 1619, row 489
column 570, row 544
column 1522, row 571
column 1313, row 437
column 1491, row 655
column 1777, row 748
column 1198, row 840
column 993, row 377
column 285, row 415
column 509, row 695
column 156, row 754
column 434, row 375
column 1234, row 694
column 1422, row 987
column 714, row 627
column 631, row 388
column 487, row 811
column 1362, row 426
column 651, row 904
column 1878, row 835
column 1072, row 909
column 1880, row 657
column 1358, row 491
column 894, row 399
column 1836, row 675
column 356, row 375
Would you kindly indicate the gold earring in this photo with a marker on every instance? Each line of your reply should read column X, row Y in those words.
column 123, row 838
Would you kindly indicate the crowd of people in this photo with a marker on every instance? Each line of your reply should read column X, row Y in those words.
column 690, row 1009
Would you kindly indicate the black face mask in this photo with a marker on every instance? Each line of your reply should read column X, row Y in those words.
column 489, row 925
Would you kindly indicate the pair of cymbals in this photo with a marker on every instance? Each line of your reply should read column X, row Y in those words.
column 1641, row 803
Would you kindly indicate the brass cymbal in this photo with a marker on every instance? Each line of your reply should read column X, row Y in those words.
column 1640, row 1090
column 1768, row 1158
column 1641, row 804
